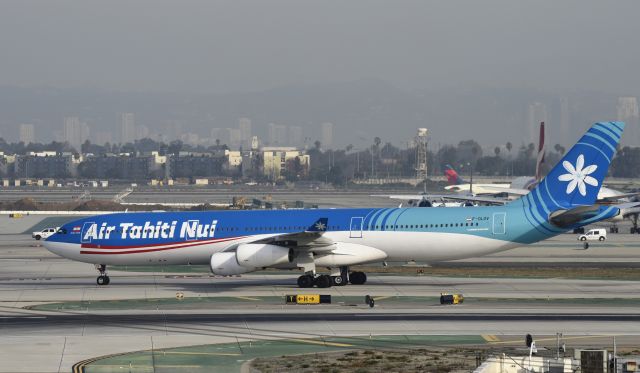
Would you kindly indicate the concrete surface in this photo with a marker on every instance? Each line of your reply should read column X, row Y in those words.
column 51, row 341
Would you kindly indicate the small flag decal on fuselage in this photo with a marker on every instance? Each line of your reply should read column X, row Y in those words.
column 76, row 229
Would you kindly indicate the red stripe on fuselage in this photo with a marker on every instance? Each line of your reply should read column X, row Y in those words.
column 123, row 247
column 191, row 244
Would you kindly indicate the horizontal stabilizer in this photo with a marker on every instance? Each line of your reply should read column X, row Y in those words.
column 582, row 215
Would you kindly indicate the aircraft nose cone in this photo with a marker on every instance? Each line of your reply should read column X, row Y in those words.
column 55, row 247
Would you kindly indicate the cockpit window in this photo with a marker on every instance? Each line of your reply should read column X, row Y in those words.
column 62, row 231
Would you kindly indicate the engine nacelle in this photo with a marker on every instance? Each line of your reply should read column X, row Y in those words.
column 346, row 254
column 225, row 264
column 262, row 255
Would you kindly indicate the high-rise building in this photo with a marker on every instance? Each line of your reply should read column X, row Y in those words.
column 327, row 135
column 244, row 125
column 295, row 136
column 103, row 137
column 537, row 114
column 564, row 137
column 628, row 113
column 142, row 132
column 277, row 134
column 126, row 127
column 75, row 132
column 219, row 136
column 235, row 138
column 27, row 133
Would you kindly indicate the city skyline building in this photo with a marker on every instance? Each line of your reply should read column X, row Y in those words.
column 103, row 137
column 295, row 136
column 628, row 112
column 76, row 132
column 244, row 125
column 142, row 132
column 126, row 127
column 326, row 137
column 27, row 133
column 277, row 134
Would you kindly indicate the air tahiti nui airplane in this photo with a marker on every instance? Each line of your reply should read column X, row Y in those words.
column 235, row 242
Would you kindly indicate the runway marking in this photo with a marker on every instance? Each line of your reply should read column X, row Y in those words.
column 137, row 366
column 199, row 353
column 519, row 341
column 312, row 341
column 247, row 298
column 380, row 298
column 490, row 338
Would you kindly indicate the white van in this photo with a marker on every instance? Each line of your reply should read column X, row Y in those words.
column 599, row 234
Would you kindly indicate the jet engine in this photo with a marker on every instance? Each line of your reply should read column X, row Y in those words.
column 225, row 264
column 262, row 255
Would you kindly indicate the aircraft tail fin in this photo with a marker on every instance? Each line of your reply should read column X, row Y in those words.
column 577, row 178
column 541, row 151
column 452, row 176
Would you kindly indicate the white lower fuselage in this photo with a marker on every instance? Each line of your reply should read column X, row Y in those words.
column 399, row 246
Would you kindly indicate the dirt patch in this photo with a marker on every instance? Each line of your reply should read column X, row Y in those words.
column 30, row 204
column 365, row 361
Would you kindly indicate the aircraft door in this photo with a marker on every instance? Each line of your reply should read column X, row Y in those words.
column 356, row 227
column 499, row 223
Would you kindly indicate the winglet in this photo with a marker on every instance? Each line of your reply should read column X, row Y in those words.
column 319, row 226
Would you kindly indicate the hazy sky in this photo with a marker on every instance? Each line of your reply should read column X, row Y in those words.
column 227, row 46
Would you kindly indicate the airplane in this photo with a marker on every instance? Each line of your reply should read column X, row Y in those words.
column 237, row 242
column 497, row 193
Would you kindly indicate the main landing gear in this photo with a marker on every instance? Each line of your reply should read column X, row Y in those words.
column 340, row 278
column 103, row 279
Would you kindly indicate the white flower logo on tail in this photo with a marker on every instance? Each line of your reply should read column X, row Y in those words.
column 578, row 176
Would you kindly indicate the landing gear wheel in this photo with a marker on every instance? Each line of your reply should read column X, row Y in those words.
column 338, row 281
column 305, row 281
column 357, row 278
column 323, row 281
column 102, row 280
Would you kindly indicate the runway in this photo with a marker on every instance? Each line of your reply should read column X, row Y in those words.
column 54, row 304
column 7, row 323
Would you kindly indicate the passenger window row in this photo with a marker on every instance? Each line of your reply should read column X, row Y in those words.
column 423, row 226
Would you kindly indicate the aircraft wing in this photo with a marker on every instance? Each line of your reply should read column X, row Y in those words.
column 405, row 197
column 618, row 196
column 312, row 237
column 455, row 197
column 498, row 189
column 483, row 199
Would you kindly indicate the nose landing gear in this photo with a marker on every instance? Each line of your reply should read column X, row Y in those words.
column 103, row 279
